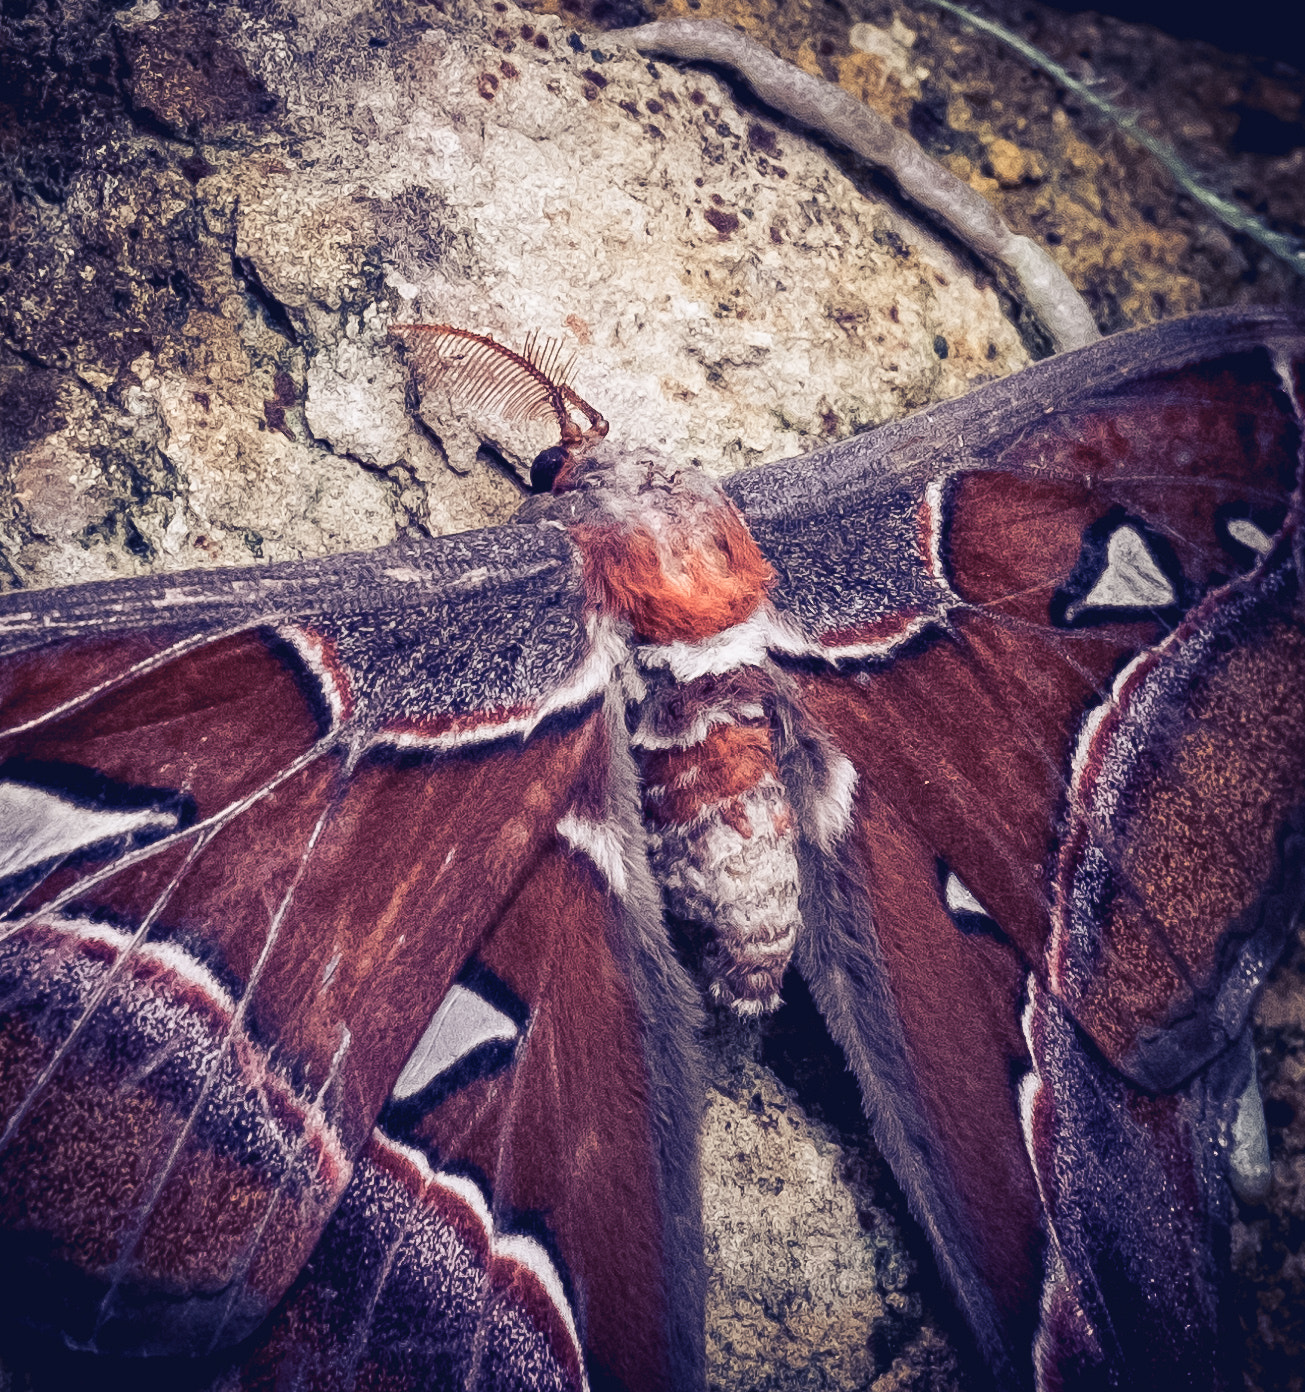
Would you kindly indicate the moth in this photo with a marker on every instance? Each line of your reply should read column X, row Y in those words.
column 343, row 1043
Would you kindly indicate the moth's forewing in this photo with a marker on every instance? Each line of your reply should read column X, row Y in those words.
column 249, row 856
column 1056, row 627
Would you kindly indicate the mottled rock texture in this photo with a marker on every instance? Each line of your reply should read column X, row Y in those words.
column 817, row 1276
column 216, row 212
column 1136, row 248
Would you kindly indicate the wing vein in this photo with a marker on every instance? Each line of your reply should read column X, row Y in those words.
column 133, row 1238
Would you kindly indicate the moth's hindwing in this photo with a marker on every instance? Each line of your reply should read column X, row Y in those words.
column 524, row 1212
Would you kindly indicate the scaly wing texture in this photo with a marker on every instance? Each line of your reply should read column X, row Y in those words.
column 330, row 973
column 1056, row 627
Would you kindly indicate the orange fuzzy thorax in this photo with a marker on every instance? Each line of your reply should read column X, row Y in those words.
column 699, row 578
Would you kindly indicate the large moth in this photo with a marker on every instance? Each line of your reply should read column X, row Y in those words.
column 343, row 1043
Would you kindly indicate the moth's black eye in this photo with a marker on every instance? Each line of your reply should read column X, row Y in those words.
column 545, row 469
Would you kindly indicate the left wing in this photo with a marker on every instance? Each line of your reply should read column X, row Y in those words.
column 334, row 982
column 1056, row 628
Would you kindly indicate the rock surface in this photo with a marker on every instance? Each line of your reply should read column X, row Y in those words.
column 203, row 274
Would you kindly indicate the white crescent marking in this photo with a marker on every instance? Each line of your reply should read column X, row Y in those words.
column 37, row 825
column 463, row 1022
column 601, row 843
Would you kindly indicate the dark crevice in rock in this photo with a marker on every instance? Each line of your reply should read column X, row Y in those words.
column 276, row 314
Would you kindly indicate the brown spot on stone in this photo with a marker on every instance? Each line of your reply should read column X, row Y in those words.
column 579, row 328
column 726, row 224
column 527, row 32
column 776, row 235
column 184, row 75
column 274, row 409
column 590, row 92
column 541, row 42
column 29, row 407
column 847, row 319
column 763, row 138
column 202, row 398
column 696, row 97
column 274, row 418
column 487, row 85
column 508, row 69
column 596, row 78
column 196, row 168
column 629, row 107
column 655, row 108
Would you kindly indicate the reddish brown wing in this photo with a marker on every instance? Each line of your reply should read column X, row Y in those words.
column 504, row 1225
column 1056, row 629
column 246, row 868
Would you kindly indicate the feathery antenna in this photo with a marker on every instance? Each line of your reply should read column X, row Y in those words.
column 484, row 375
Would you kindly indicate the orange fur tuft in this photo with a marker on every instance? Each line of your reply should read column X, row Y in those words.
column 731, row 759
column 719, row 579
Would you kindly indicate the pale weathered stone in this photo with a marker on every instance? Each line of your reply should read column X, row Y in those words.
column 810, row 1281
column 730, row 295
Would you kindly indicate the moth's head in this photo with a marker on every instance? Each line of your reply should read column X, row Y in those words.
column 548, row 464
column 556, row 469
column 530, row 384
